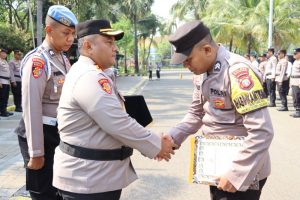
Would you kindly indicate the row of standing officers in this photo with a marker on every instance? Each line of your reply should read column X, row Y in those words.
column 10, row 78
column 280, row 73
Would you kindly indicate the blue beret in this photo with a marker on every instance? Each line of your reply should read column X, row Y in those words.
column 62, row 15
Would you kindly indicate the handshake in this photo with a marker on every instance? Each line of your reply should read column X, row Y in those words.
column 167, row 148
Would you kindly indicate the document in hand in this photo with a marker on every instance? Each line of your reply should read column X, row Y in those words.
column 137, row 108
column 212, row 156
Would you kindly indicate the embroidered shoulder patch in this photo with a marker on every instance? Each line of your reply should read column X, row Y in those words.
column 37, row 67
column 105, row 85
column 247, row 93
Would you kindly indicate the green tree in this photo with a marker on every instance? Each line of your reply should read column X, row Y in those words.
column 134, row 10
column 125, row 45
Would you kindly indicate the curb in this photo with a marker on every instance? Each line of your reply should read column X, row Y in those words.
column 137, row 87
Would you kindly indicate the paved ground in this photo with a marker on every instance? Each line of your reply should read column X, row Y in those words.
column 168, row 100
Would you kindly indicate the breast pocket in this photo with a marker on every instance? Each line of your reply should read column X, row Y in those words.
column 56, row 89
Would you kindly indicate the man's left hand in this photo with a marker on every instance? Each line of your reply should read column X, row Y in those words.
column 225, row 185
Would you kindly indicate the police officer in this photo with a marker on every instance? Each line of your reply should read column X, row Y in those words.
column 253, row 60
column 295, row 83
column 262, row 68
column 282, row 79
column 97, row 135
column 15, row 67
column 43, row 72
column 223, row 105
column 6, row 77
column 270, row 76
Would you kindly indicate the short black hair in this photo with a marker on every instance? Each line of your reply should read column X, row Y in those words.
column 272, row 50
column 283, row 51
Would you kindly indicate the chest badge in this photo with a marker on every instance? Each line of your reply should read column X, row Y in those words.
column 105, row 85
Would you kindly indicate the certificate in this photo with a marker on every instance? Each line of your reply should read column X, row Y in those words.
column 212, row 156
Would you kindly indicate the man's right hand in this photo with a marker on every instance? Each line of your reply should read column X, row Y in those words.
column 36, row 163
column 167, row 148
column 0, row 85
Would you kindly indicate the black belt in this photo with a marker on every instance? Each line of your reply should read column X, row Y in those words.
column 96, row 154
column 18, row 76
column 295, row 76
column 279, row 74
column 268, row 74
column 58, row 73
column 3, row 77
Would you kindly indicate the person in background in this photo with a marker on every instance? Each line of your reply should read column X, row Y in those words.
column 6, row 78
column 15, row 67
column 262, row 68
column 270, row 76
column 295, row 83
column 253, row 60
column 158, row 68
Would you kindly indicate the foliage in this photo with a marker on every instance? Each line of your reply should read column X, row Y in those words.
column 12, row 38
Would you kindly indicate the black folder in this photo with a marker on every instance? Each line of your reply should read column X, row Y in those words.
column 137, row 108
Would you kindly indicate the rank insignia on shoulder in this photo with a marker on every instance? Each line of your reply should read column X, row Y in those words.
column 51, row 52
column 217, row 66
column 105, row 85
column 37, row 67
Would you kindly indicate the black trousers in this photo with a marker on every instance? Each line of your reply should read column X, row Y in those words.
column 4, row 95
column 17, row 95
column 158, row 74
column 265, row 89
column 39, row 182
column 150, row 74
column 271, row 85
column 296, row 97
column 112, row 195
column 216, row 194
column 283, row 91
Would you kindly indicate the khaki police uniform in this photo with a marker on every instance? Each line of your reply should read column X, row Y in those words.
column 230, row 100
column 15, row 67
column 91, row 115
column 6, row 77
column 43, row 74
column 270, row 74
column 282, row 81
column 295, row 84
column 262, row 69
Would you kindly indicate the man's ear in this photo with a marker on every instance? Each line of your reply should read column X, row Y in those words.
column 48, row 29
column 208, row 50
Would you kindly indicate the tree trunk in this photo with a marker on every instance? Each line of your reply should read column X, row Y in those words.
column 39, row 22
column 151, row 40
column 125, row 58
column 136, row 50
column 249, row 43
column 231, row 43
